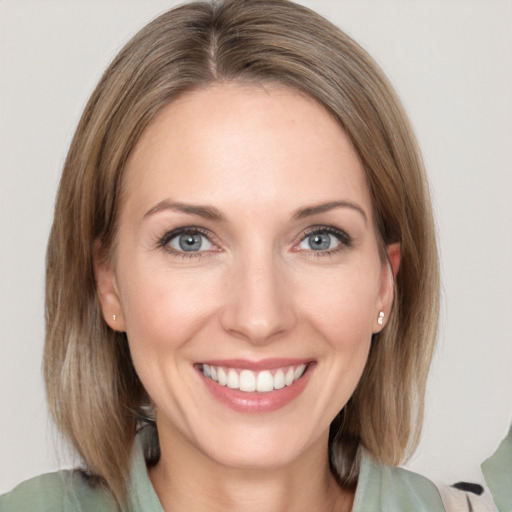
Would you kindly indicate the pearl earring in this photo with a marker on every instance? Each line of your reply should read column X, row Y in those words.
column 380, row 320
column 114, row 317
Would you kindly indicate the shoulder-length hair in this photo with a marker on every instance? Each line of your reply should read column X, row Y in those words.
column 93, row 391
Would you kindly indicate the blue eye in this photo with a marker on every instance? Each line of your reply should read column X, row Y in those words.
column 323, row 240
column 189, row 241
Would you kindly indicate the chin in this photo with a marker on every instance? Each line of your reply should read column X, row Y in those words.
column 259, row 448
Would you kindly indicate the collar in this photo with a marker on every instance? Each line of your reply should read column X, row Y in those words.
column 379, row 487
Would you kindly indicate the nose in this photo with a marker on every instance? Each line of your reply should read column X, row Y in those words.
column 259, row 306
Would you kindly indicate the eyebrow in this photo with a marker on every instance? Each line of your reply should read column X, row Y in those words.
column 205, row 211
column 309, row 211
column 211, row 213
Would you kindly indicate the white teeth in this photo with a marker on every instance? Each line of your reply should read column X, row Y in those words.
column 279, row 379
column 264, row 382
column 299, row 371
column 222, row 377
column 233, row 381
column 248, row 381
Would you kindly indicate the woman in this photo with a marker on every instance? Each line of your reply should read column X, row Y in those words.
column 242, row 256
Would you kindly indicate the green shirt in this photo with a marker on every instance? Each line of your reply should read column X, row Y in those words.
column 380, row 489
column 497, row 471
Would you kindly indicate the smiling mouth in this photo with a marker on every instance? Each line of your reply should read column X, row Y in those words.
column 249, row 381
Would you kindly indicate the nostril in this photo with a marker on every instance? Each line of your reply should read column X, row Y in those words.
column 258, row 302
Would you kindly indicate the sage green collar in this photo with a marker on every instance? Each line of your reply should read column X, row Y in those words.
column 379, row 487
column 141, row 494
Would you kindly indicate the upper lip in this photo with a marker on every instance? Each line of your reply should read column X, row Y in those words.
column 262, row 364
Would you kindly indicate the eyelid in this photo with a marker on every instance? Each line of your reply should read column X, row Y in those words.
column 344, row 238
column 329, row 229
column 163, row 242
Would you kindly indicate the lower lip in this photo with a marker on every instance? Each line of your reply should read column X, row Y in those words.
column 255, row 402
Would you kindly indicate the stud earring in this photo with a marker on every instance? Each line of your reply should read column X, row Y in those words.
column 380, row 320
column 114, row 317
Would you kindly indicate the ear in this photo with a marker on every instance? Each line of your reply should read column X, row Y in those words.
column 106, row 288
column 387, row 285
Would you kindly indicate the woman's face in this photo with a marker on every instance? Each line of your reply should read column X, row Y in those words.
column 246, row 273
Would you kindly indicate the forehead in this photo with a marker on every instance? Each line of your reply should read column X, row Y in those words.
column 248, row 144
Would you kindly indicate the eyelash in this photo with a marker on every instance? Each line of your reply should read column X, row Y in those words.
column 164, row 241
column 344, row 239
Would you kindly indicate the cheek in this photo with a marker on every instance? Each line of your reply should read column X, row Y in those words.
column 163, row 309
column 341, row 305
column 341, row 315
column 164, row 312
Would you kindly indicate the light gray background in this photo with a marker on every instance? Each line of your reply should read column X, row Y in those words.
column 451, row 61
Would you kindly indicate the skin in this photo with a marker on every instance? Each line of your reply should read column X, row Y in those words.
column 255, row 290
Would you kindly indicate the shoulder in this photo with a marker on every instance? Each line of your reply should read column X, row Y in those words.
column 396, row 489
column 61, row 491
column 497, row 471
column 412, row 489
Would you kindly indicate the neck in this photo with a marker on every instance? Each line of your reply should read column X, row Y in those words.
column 186, row 479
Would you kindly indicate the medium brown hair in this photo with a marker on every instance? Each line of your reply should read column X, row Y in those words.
column 93, row 391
